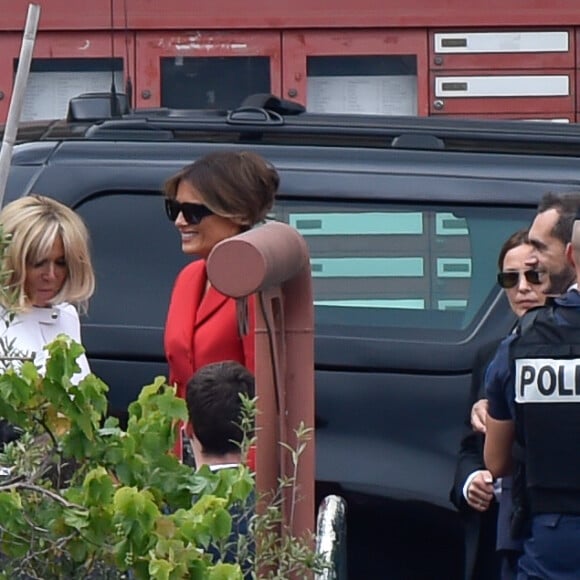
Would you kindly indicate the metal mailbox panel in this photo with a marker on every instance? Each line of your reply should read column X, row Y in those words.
column 569, row 117
column 503, row 92
column 501, row 49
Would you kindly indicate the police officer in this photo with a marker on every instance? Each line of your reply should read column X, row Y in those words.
column 533, row 427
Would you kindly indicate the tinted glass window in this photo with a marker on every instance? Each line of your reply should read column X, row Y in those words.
column 212, row 82
column 401, row 265
column 374, row 266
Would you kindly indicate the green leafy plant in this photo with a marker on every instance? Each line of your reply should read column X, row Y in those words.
column 82, row 498
column 280, row 555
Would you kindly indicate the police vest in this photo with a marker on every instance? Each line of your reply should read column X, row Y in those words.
column 546, row 363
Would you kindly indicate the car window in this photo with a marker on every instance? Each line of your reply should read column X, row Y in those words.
column 389, row 265
column 375, row 266
column 137, row 255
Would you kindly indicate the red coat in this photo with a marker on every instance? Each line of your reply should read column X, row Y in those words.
column 203, row 329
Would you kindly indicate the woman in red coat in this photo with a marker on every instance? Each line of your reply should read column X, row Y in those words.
column 216, row 197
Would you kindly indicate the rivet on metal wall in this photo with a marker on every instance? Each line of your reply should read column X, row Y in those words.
column 438, row 104
column 146, row 94
column 438, row 60
column 292, row 93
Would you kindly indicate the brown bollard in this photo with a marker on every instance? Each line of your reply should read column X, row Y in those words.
column 273, row 262
column 257, row 260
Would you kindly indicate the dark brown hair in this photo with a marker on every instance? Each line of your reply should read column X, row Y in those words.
column 240, row 185
column 517, row 239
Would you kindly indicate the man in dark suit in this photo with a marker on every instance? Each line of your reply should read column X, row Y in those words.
column 482, row 562
column 474, row 491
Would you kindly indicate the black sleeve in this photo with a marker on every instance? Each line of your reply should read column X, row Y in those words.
column 470, row 457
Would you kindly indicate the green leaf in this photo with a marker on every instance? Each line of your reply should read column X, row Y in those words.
column 225, row 572
column 154, row 442
column 101, row 527
column 165, row 527
column 221, row 525
column 78, row 550
column 13, row 546
column 10, row 502
column 208, row 503
column 61, row 364
column 243, row 486
column 203, row 482
column 77, row 519
column 121, row 552
column 112, row 423
column 160, row 569
column 172, row 406
column 125, row 473
column 98, row 487
column 202, row 536
column 197, row 570
column 127, row 501
column 136, row 512
column 29, row 372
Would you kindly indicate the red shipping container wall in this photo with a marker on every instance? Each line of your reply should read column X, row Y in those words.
column 265, row 14
column 427, row 58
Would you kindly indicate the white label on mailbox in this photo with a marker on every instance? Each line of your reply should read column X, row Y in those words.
column 498, row 42
column 503, row 86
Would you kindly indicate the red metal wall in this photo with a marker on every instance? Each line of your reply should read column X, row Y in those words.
column 289, row 34
column 222, row 14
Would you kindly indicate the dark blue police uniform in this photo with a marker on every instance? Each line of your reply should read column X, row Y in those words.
column 534, row 379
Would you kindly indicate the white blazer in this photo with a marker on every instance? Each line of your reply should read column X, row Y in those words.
column 37, row 327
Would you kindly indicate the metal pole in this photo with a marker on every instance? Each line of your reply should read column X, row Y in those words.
column 331, row 538
column 17, row 99
column 272, row 261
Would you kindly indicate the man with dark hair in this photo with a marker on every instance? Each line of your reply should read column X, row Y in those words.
column 549, row 234
column 533, row 428
column 214, row 403
column 215, row 412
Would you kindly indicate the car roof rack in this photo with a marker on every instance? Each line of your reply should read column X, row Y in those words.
column 253, row 126
column 272, row 103
column 266, row 119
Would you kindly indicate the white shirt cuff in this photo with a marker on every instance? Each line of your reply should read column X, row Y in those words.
column 468, row 481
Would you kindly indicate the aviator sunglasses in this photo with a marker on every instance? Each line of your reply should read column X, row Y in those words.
column 193, row 213
column 510, row 279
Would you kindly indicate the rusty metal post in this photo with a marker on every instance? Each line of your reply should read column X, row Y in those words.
column 272, row 261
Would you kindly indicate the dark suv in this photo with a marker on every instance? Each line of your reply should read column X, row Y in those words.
column 404, row 218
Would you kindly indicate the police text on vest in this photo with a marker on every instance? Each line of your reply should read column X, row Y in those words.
column 547, row 380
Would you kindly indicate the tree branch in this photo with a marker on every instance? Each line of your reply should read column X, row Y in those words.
column 42, row 490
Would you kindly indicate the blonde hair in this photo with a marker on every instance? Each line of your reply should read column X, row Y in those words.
column 239, row 185
column 32, row 225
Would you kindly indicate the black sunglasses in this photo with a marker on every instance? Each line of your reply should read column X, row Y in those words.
column 193, row 213
column 510, row 279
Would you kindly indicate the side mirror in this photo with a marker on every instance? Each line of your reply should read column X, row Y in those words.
column 97, row 106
